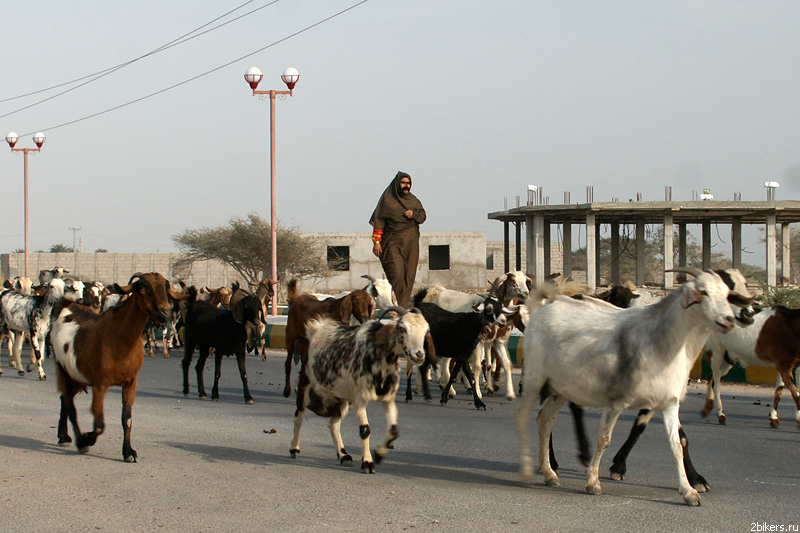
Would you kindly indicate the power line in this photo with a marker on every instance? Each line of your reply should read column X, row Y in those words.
column 229, row 63
column 103, row 73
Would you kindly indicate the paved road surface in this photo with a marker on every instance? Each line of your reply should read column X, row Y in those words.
column 225, row 466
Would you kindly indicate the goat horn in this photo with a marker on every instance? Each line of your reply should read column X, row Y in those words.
column 367, row 276
column 399, row 310
column 694, row 271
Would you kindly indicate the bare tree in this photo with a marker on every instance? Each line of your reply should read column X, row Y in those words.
column 245, row 245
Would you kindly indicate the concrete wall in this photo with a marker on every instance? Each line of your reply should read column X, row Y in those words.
column 467, row 261
column 110, row 268
column 467, row 264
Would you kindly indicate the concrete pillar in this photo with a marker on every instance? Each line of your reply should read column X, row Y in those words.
column 506, row 245
column 668, row 252
column 535, row 247
column 615, row 252
column 706, row 245
column 736, row 242
column 546, row 243
column 640, row 253
column 772, row 260
column 519, row 245
column 598, row 277
column 591, row 252
column 786, row 254
column 682, row 250
column 566, row 249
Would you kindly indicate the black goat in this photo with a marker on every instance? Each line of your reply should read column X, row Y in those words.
column 224, row 330
column 456, row 335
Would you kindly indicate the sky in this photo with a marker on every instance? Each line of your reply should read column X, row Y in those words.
column 475, row 99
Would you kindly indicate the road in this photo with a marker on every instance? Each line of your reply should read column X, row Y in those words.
column 225, row 466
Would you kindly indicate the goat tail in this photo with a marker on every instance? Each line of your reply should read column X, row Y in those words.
column 291, row 290
column 192, row 292
column 418, row 297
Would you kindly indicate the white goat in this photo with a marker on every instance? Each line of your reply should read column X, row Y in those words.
column 617, row 359
column 381, row 290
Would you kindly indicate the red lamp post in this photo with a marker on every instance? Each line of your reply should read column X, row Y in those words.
column 38, row 139
column 290, row 76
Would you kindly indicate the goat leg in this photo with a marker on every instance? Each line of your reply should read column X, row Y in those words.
column 241, row 361
column 695, row 480
column 618, row 466
column 128, row 397
column 85, row 440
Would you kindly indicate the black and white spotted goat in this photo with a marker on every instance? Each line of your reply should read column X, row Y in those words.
column 29, row 315
column 356, row 365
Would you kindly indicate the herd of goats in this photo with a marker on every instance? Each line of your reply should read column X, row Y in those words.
column 630, row 352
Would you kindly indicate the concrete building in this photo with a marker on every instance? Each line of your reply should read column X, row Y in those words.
column 538, row 219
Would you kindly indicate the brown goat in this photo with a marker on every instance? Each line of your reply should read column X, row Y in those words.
column 105, row 350
column 265, row 293
column 303, row 307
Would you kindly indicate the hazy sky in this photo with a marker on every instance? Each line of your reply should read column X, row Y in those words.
column 475, row 99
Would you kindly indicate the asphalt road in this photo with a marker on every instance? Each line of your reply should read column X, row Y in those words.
column 225, row 466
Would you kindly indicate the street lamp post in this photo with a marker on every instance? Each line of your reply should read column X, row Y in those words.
column 38, row 139
column 290, row 76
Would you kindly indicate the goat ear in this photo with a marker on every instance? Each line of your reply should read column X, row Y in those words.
column 347, row 309
column 238, row 313
column 691, row 296
column 383, row 335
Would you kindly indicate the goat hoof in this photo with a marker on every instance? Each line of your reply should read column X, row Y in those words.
column 775, row 423
column 21, row 373
column 701, row 486
column 249, row 401
column 42, row 378
column 552, row 482
column 215, row 399
column 130, row 457
column 64, row 441
column 346, row 460
column 368, row 467
column 594, row 490
column 692, row 499
column 84, row 450
column 294, row 452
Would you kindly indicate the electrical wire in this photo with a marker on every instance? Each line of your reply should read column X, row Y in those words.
column 180, row 40
column 101, row 73
column 229, row 63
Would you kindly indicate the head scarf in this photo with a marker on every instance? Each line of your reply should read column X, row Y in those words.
column 392, row 204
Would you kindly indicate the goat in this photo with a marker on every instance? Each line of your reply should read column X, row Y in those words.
column 457, row 335
column 30, row 315
column 741, row 304
column 772, row 340
column 46, row 275
column 515, row 286
column 103, row 351
column 617, row 359
column 219, row 297
column 303, row 307
column 225, row 331
column 619, row 295
column 346, row 365
column 264, row 292
column 381, row 291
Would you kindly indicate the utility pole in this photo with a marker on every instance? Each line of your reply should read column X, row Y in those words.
column 75, row 238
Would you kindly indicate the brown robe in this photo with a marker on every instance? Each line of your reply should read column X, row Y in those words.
column 400, row 241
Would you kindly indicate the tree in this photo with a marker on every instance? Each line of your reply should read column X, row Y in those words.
column 101, row 251
column 61, row 249
column 245, row 245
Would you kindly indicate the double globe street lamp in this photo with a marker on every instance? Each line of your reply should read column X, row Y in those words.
column 38, row 139
column 253, row 77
